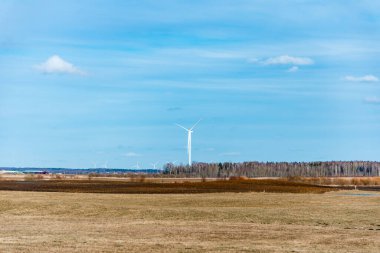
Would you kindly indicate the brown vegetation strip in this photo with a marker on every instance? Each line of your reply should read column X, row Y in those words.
column 97, row 186
column 343, row 181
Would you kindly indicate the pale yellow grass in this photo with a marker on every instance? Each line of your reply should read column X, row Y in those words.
column 136, row 178
column 221, row 222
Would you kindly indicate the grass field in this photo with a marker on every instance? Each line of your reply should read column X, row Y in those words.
column 112, row 186
column 338, row 221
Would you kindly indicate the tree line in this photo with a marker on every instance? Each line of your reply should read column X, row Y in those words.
column 275, row 169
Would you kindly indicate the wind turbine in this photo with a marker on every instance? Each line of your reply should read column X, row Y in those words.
column 189, row 132
column 137, row 166
column 154, row 165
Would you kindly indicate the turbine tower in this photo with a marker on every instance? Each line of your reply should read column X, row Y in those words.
column 137, row 166
column 189, row 132
column 154, row 165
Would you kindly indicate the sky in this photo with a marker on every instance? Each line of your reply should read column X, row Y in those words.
column 103, row 83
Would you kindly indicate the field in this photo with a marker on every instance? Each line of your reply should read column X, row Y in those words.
column 336, row 221
column 142, row 187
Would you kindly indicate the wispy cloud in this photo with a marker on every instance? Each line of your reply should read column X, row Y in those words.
column 56, row 65
column 253, row 60
column 132, row 154
column 366, row 78
column 372, row 100
column 293, row 69
column 288, row 60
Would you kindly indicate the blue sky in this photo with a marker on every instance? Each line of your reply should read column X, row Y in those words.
column 101, row 82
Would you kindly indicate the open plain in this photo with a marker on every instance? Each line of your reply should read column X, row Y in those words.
column 336, row 221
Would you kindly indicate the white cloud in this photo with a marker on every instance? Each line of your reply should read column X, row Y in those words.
column 372, row 100
column 132, row 154
column 56, row 64
column 287, row 60
column 293, row 69
column 366, row 78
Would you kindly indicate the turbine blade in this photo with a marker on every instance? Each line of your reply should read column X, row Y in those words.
column 195, row 124
column 182, row 127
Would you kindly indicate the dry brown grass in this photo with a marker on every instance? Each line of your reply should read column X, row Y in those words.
column 216, row 222
column 30, row 177
column 58, row 176
column 138, row 185
column 341, row 181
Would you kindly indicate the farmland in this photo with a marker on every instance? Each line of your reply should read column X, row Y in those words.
column 144, row 186
column 336, row 221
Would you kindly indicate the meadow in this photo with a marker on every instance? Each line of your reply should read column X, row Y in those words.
column 336, row 221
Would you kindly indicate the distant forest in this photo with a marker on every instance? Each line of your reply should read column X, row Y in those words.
column 275, row 169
